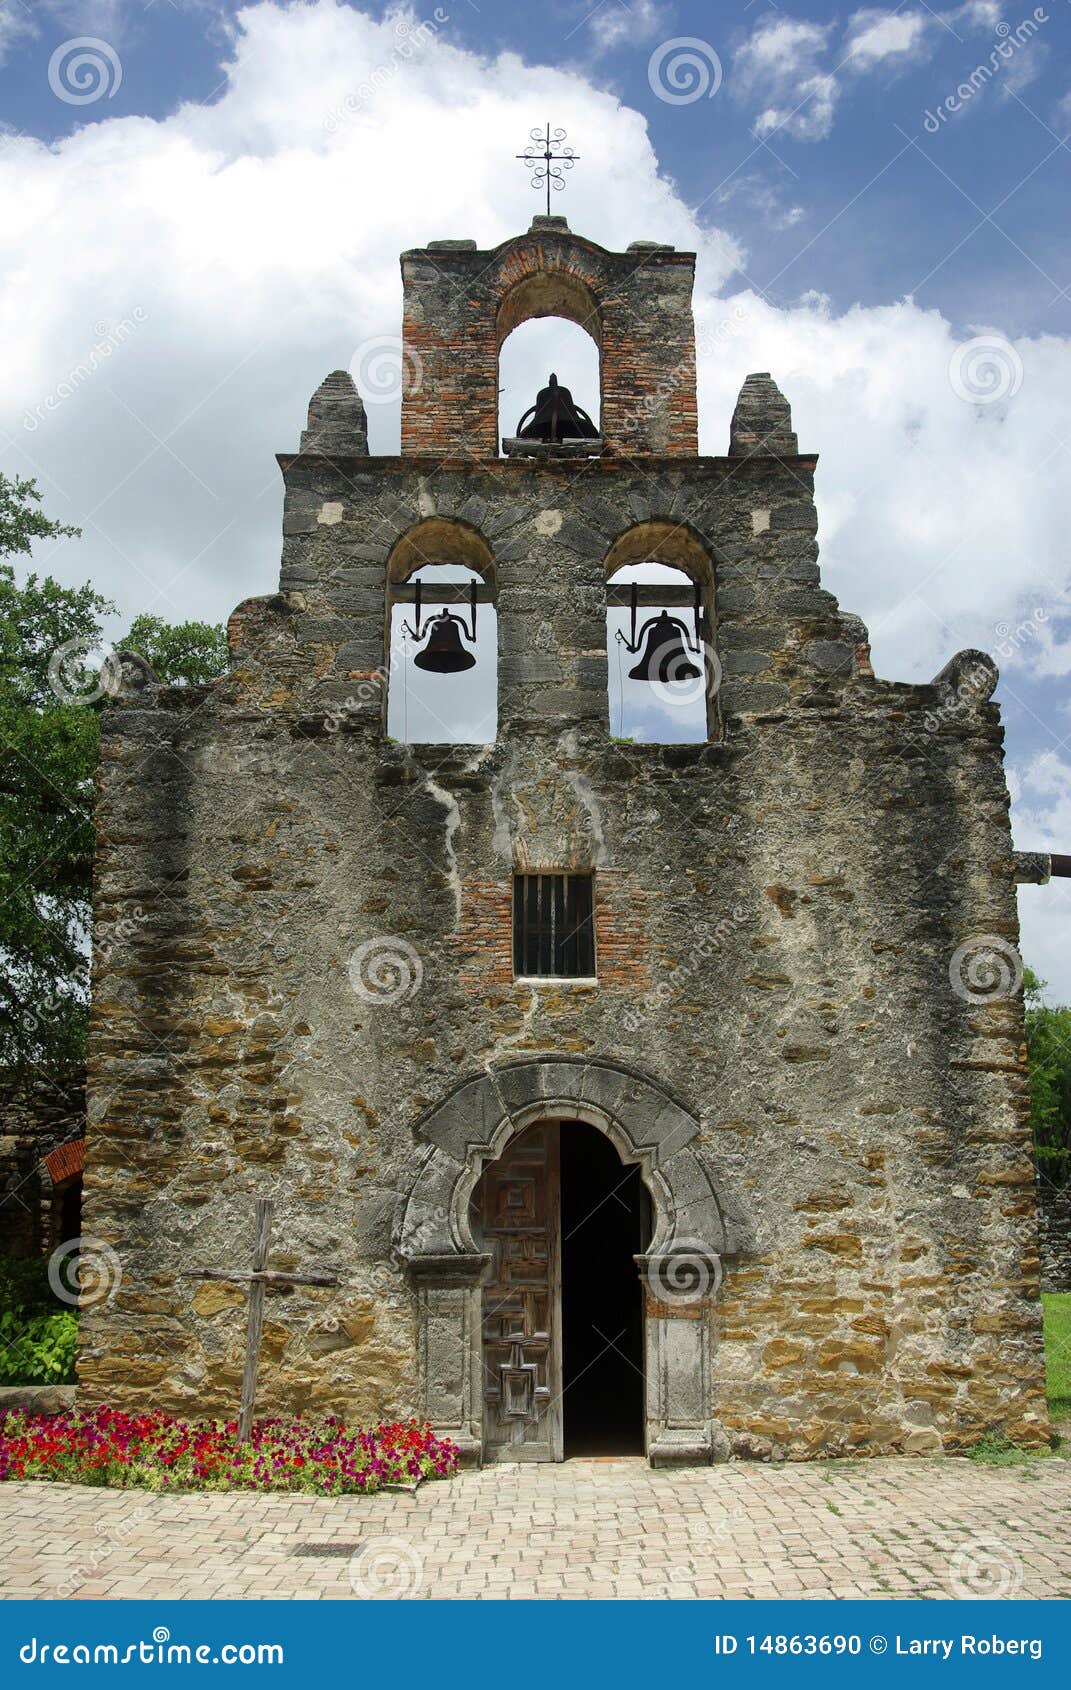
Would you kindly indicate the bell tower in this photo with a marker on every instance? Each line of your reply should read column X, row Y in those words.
column 461, row 301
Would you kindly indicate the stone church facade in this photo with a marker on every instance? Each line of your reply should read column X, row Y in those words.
column 791, row 1053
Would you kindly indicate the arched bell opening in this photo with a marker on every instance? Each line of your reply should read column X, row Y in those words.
column 663, row 672
column 564, row 1221
column 549, row 333
column 441, row 637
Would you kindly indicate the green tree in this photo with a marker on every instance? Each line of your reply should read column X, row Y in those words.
column 1048, row 1041
column 183, row 654
column 49, row 751
column 50, row 696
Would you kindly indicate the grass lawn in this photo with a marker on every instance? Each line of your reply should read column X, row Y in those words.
column 1058, row 1357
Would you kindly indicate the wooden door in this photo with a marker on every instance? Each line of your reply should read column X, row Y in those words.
column 519, row 1211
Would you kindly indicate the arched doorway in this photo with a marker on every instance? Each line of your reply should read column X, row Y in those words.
column 473, row 1129
column 563, row 1220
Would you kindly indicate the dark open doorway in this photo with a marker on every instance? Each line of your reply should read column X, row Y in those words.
column 70, row 1210
column 604, row 1213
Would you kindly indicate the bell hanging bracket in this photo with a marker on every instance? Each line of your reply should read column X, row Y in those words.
column 668, row 646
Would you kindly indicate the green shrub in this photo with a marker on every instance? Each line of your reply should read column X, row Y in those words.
column 39, row 1349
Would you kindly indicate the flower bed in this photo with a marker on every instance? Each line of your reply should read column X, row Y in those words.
column 156, row 1452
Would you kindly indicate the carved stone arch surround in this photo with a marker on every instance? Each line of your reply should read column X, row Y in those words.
column 693, row 1224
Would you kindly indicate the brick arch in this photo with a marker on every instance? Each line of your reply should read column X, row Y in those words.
column 550, row 293
column 663, row 540
column 440, row 539
column 460, row 302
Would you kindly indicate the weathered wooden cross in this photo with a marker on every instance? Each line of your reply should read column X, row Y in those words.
column 257, row 1278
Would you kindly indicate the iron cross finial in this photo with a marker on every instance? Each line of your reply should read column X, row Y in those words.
column 548, row 166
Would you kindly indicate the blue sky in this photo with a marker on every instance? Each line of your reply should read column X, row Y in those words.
column 877, row 195
column 960, row 218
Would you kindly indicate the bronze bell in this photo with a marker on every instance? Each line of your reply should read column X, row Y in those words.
column 667, row 657
column 444, row 653
column 556, row 416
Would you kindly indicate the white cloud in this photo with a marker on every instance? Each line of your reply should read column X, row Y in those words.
column 16, row 26
column 617, row 24
column 111, row 20
column 778, row 70
column 761, row 200
column 254, row 244
column 1025, row 67
column 940, row 520
column 878, row 38
column 981, row 14
column 794, row 73
column 1061, row 117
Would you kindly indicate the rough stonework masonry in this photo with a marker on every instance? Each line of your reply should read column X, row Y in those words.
column 801, row 1029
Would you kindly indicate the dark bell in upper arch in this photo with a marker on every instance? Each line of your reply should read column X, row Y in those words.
column 556, row 416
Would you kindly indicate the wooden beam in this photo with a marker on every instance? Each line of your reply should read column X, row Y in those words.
column 451, row 592
column 651, row 595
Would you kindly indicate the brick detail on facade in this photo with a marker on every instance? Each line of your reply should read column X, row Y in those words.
column 460, row 302
column 66, row 1161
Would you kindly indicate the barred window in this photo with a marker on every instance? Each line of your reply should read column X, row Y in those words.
column 553, row 925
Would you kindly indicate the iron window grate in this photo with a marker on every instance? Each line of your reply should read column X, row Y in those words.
column 553, row 926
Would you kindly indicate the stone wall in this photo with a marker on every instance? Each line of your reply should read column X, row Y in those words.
column 1054, row 1235
column 801, row 927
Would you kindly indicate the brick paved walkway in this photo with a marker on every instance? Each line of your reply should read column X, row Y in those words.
column 587, row 1528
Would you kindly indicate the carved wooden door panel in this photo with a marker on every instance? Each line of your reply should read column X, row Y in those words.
column 519, row 1219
